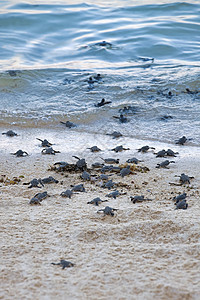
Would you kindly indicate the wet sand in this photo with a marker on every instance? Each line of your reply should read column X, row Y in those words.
column 147, row 250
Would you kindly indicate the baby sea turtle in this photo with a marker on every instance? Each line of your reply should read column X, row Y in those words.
column 115, row 194
column 38, row 198
column 94, row 149
column 67, row 193
column 109, row 184
column 181, row 141
column 138, row 198
column 144, row 149
column 20, row 153
column 96, row 201
column 85, row 176
column 81, row 163
column 34, row 183
column 68, row 124
column 78, row 188
column 128, row 110
column 125, row 171
column 10, row 133
column 164, row 164
column 64, row 264
column 108, row 211
column 161, row 153
column 115, row 134
column 97, row 165
column 61, row 165
column 98, row 77
column 133, row 160
column 49, row 179
column 121, row 118
column 185, row 178
column 45, row 143
column 102, row 103
column 119, row 148
column 111, row 160
column 49, row 150
column 106, row 169
column 181, row 205
column 103, row 44
column 179, row 198
column 170, row 152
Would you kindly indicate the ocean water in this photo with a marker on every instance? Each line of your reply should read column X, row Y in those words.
column 151, row 62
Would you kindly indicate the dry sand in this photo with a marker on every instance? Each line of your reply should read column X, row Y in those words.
column 146, row 251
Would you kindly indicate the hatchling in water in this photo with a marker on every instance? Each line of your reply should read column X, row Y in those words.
column 49, row 150
column 45, row 143
column 121, row 118
column 34, row 183
column 111, row 160
column 164, row 164
column 102, row 103
column 78, row 188
column 96, row 201
column 67, row 193
column 119, row 148
column 115, row 134
column 108, row 211
column 64, row 264
column 68, row 124
column 49, row 179
column 10, row 133
column 20, row 153
column 144, row 149
column 181, row 205
column 94, row 149
column 138, row 198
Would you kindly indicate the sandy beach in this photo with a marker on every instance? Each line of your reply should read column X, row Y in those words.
column 146, row 250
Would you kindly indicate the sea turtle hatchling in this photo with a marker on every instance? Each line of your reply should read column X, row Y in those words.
column 81, row 163
column 144, row 149
column 115, row 194
column 170, row 152
column 49, row 151
column 86, row 176
column 10, row 133
column 78, row 188
column 96, row 201
column 115, row 134
column 161, row 153
column 110, row 160
column 94, row 149
column 119, row 149
column 164, row 164
column 125, row 171
column 181, row 141
column 20, row 153
column 45, row 143
column 138, row 198
column 133, row 160
column 109, row 184
column 49, row 179
column 179, row 198
column 64, row 264
column 182, row 204
column 121, row 118
column 102, row 103
column 68, row 124
column 38, row 198
column 108, row 211
column 67, row 193
column 185, row 178
column 34, row 183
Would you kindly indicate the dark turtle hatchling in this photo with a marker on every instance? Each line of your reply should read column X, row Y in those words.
column 96, row 201
column 102, row 103
column 144, row 149
column 85, row 176
column 20, row 153
column 181, row 204
column 38, row 198
column 182, row 140
column 10, row 133
column 64, row 264
column 170, row 152
column 164, row 164
column 111, row 160
column 121, row 118
column 161, row 153
column 133, row 160
column 45, row 143
column 138, row 198
column 81, row 163
column 115, row 134
column 125, row 171
column 119, row 148
column 68, row 124
column 49, row 150
column 78, row 188
column 94, row 149
column 179, row 198
column 115, row 194
column 109, row 184
column 67, row 193
column 49, row 179
column 108, row 211
column 34, row 183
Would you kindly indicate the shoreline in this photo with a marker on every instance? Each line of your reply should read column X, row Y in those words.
column 147, row 250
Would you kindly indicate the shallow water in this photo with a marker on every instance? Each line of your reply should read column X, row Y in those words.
column 48, row 52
